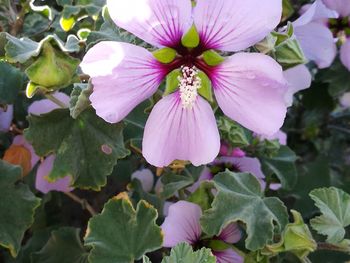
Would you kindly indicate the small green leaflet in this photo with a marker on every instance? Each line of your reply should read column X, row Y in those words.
column 121, row 234
column 240, row 198
column 17, row 208
column 335, row 208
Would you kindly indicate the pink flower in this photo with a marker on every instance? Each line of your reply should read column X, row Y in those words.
column 314, row 36
column 45, row 167
column 182, row 225
column 146, row 178
column 249, row 87
column 298, row 78
column 342, row 7
column 345, row 100
column 6, row 116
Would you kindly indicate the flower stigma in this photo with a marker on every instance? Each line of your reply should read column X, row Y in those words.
column 189, row 83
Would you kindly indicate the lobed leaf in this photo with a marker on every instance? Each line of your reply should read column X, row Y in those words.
column 121, row 234
column 17, row 208
column 240, row 198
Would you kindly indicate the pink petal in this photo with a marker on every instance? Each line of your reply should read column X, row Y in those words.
column 280, row 136
column 345, row 54
column 227, row 256
column 43, row 185
column 158, row 22
column 6, row 118
column 205, row 175
column 20, row 140
column 146, row 177
column 182, row 224
column 45, row 106
column 230, row 234
column 345, row 100
column 317, row 12
column 175, row 133
column 233, row 25
column 166, row 207
column 299, row 78
column 123, row 75
column 250, row 89
column 341, row 6
column 245, row 165
column 317, row 42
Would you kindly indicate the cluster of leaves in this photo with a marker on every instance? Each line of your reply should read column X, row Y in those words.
column 110, row 217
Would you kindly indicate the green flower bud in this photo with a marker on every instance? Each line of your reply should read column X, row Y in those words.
column 53, row 69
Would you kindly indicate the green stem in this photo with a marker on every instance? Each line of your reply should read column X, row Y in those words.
column 56, row 101
column 84, row 204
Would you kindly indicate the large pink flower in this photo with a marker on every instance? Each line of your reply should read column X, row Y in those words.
column 249, row 88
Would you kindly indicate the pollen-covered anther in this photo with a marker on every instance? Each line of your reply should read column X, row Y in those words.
column 189, row 85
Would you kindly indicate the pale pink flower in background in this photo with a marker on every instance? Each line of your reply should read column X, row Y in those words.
column 314, row 36
column 249, row 87
column 342, row 7
column 146, row 178
column 6, row 116
column 45, row 167
column 298, row 78
column 345, row 100
column 182, row 225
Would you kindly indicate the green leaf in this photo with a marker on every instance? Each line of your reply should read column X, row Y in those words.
column 283, row 166
column 17, row 208
column 240, row 198
column 289, row 54
column 320, row 169
column 165, row 55
column 335, row 208
column 338, row 78
column 212, row 58
column 288, row 10
column 183, row 253
column 53, row 69
column 139, row 194
column 20, row 50
column 205, row 89
column 67, row 240
column 11, row 81
column 121, row 234
column 79, row 99
column 233, row 133
column 203, row 196
column 191, row 38
column 173, row 183
column 86, row 148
